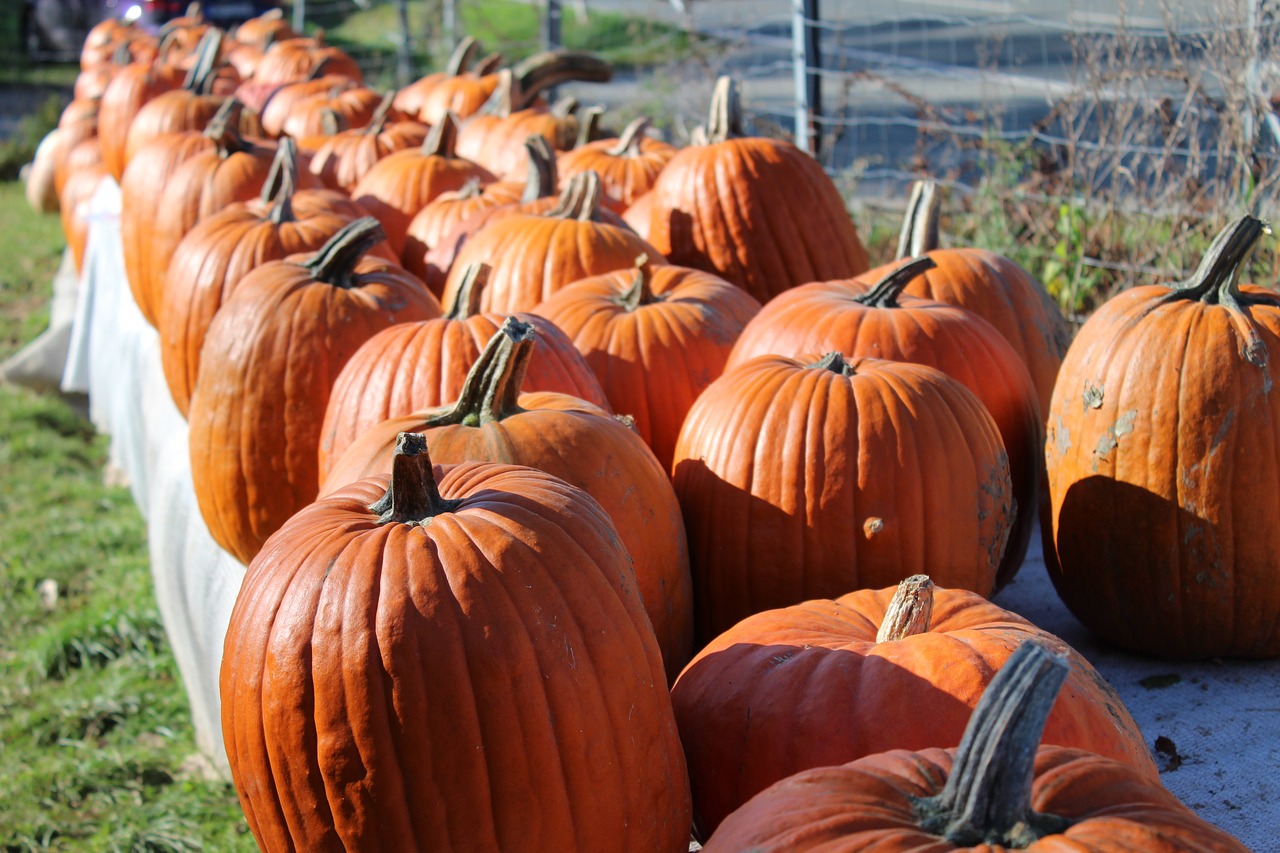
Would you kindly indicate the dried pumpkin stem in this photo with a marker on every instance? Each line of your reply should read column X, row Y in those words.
column 551, row 68
column 641, row 290
column 336, row 261
column 201, row 76
column 281, row 182
column 919, row 235
column 413, row 496
column 580, row 199
column 224, row 129
column 910, row 610
column 466, row 302
column 542, row 176
column 631, row 140
column 378, row 123
column 460, row 59
column 493, row 384
column 834, row 362
column 724, row 121
column 488, row 64
column 885, row 292
column 987, row 798
column 588, row 125
column 443, row 138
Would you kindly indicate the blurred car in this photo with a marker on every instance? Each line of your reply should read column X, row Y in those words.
column 224, row 13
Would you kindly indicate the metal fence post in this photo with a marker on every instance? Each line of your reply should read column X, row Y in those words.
column 551, row 31
column 806, row 52
column 299, row 15
column 449, row 14
column 404, row 55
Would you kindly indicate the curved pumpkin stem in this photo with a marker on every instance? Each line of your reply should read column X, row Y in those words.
column 224, row 128
column 588, row 125
column 331, row 122
column 885, row 292
column 492, row 387
column 580, row 199
column 910, row 610
column 463, row 54
column 641, row 290
column 201, row 76
column 519, row 86
column 1214, row 282
column 378, row 122
column 834, row 362
column 443, row 138
column 413, row 496
column 488, row 65
column 724, row 120
column 987, row 798
column 466, row 302
column 281, row 182
column 336, row 261
column 632, row 138
column 543, row 175
column 919, row 235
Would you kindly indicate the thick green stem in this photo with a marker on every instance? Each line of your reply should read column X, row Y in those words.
column 580, row 199
column 442, row 141
column 919, row 235
column 724, row 120
column 641, row 290
column 281, row 182
column 413, row 496
column 885, row 292
column 987, row 798
column 834, row 362
column 466, row 302
column 540, row 180
column 492, row 388
column 336, row 261
column 631, row 140
column 910, row 611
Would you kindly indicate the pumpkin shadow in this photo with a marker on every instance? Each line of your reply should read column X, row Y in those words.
column 751, row 715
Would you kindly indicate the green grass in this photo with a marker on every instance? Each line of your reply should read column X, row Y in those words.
column 96, row 727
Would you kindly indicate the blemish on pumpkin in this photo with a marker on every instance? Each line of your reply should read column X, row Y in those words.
column 1062, row 437
column 1092, row 396
column 872, row 526
column 779, row 660
column 1111, row 438
column 1223, row 429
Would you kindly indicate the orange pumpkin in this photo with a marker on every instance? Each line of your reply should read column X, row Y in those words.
column 348, row 154
column 628, row 166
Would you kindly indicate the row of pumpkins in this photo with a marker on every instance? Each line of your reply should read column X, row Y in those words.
column 510, row 417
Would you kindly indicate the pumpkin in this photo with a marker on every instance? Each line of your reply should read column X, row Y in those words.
column 628, row 165
column 131, row 88
column 269, row 361
column 327, row 113
column 656, row 337
column 292, row 97
column 401, row 184
column 212, row 259
column 990, row 285
column 454, row 659
column 301, row 58
column 75, row 127
column 996, row 791
column 534, row 256
column 347, row 155
column 78, row 189
column 41, row 188
column 571, row 439
column 853, row 666
column 806, row 479
column 758, row 212
column 415, row 366
column 462, row 94
column 638, row 214
column 264, row 30
column 1161, row 462
column 86, row 154
column 103, row 41
column 880, row 322
column 409, row 100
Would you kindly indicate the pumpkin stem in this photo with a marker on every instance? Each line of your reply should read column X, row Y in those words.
column 413, row 496
column 492, row 387
column 224, row 128
column 462, row 55
column 724, row 121
column 588, row 125
column 488, row 65
column 378, row 122
column 987, row 798
column 443, row 138
column 336, row 261
column 580, row 199
column 201, row 76
column 910, row 610
column 631, row 139
column 641, row 290
column 281, row 182
column 1214, row 282
column 885, row 292
column 542, row 176
column 466, row 302
column 551, row 68
column 833, row 361
column 331, row 122
column 919, row 235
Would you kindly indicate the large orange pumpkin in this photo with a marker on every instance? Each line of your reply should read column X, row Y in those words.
column 347, row 155
column 995, row 792
column 880, row 322
column 806, row 479
column 131, row 88
column 416, row 366
column 268, row 364
column 758, row 212
column 628, row 166
column 409, row 99
column 1162, row 465
column 456, row 659
column 853, row 666
column 562, row 435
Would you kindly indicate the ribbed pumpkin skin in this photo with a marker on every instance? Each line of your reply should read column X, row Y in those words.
column 347, row 156
column 869, row 805
column 269, row 361
column 416, row 366
column 626, row 176
column 125, row 95
column 80, row 187
column 441, row 216
column 823, row 317
column 219, row 252
column 587, row 448
column 748, row 721
column 534, row 256
column 174, row 111
column 758, row 212
column 801, row 482
column 1006, row 296
column 1162, row 476
column 655, row 359
column 486, row 682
